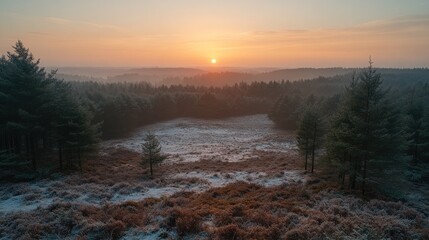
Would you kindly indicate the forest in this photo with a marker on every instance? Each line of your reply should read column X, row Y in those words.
column 64, row 120
column 369, row 128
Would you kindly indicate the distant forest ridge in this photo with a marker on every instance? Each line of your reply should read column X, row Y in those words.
column 224, row 76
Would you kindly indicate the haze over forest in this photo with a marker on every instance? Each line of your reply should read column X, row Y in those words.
column 232, row 120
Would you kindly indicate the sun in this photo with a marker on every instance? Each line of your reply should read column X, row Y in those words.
column 213, row 61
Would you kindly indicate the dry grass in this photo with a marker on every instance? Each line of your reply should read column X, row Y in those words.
column 237, row 211
column 315, row 210
column 122, row 165
column 268, row 162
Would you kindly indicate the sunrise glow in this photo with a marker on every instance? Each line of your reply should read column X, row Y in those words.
column 234, row 119
column 172, row 33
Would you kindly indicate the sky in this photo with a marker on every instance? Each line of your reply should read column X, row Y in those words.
column 241, row 33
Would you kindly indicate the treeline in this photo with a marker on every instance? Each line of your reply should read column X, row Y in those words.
column 48, row 122
column 230, row 77
column 41, row 122
column 372, row 133
column 121, row 107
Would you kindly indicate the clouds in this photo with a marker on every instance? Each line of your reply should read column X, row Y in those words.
column 401, row 41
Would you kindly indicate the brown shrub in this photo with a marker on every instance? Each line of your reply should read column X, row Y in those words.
column 262, row 218
column 186, row 221
column 411, row 214
column 296, row 234
column 237, row 210
column 263, row 233
column 396, row 231
column 115, row 229
column 223, row 217
column 229, row 232
column 129, row 214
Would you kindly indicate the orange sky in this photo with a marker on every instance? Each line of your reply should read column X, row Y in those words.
column 242, row 33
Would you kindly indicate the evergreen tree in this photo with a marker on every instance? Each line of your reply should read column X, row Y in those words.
column 415, row 130
column 425, row 136
column 368, row 132
column 286, row 111
column 38, row 113
column 338, row 146
column 310, row 134
column 25, row 96
column 417, row 124
column 151, row 152
column 74, row 131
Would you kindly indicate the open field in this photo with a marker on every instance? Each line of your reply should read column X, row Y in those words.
column 258, row 190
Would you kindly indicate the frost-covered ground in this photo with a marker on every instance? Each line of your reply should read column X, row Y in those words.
column 233, row 139
column 237, row 178
column 260, row 178
column 202, row 154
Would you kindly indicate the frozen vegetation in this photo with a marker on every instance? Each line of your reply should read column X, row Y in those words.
column 183, row 140
column 234, row 139
column 223, row 179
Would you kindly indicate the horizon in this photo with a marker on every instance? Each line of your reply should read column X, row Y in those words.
column 245, row 34
column 230, row 119
column 229, row 67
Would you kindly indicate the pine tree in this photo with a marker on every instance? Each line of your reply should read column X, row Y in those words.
column 151, row 152
column 286, row 112
column 24, row 90
column 338, row 146
column 425, row 136
column 367, row 134
column 38, row 113
column 417, row 124
column 310, row 134
column 415, row 130
column 304, row 137
column 74, row 131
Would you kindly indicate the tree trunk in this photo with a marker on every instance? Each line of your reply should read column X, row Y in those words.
column 343, row 169
column 306, row 155
column 364, row 175
column 45, row 142
column 12, row 144
column 366, row 144
column 69, row 160
column 17, row 143
column 27, row 148
column 79, row 158
column 314, row 146
column 151, row 170
column 352, row 180
column 150, row 163
column 415, row 149
column 60, row 155
column 8, row 144
column 1, row 141
column 33, row 153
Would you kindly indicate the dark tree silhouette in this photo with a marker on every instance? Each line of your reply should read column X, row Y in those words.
column 38, row 113
column 151, row 152
column 367, row 131
column 310, row 134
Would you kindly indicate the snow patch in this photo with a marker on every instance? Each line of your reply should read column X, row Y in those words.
column 184, row 140
column 232, row 140
column 221, row 179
